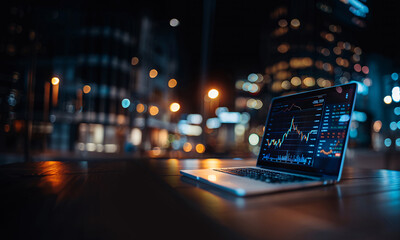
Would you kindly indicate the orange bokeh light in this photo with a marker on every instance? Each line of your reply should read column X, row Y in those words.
column 140, row 108
column 86, row 89
column 153, row 110
column 153, row 73
column 200, row 148
column 172, row 83
column 187, row 147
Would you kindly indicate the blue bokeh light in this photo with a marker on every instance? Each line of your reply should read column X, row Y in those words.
column 125, row 103
column 397, row 111
column 388, row 142
column 393, row 126
column 395, row 76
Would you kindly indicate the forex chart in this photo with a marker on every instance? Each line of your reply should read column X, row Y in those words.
column 292, row 131
column 308, row 131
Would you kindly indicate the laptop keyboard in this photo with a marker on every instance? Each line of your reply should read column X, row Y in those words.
column 263, row 175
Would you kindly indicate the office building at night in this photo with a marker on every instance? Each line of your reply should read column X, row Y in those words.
column 100, row 86
column 306, row 46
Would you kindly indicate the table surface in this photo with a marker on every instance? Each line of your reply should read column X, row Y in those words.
column 149, row 199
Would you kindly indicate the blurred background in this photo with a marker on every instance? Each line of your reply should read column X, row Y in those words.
column 189, row 79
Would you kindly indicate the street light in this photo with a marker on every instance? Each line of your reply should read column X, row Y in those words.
column 174, row 107
column 211, row 102
column 213, row 93
column 55, row 81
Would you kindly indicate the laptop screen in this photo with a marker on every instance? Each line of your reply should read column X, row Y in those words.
column 308, row 131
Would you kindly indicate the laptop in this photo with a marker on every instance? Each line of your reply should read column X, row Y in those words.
column 304, row 144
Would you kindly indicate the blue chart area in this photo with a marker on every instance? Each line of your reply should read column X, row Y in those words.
column 292, row 131
column 330, row 148
column 333, row 130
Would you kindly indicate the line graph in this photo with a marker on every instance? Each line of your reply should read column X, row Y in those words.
column 291, row 107
column 330, row 147
column 326, row 153
column 291, row 131
column 277, row 143
column 308, row 131
column 330, row 150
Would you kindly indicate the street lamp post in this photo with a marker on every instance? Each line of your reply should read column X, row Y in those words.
column 211, row 101
column 174, row 107
column 55, row 81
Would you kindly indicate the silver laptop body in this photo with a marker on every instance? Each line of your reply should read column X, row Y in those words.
column 305, row 136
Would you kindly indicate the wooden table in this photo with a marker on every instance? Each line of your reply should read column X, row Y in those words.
column 148, row 199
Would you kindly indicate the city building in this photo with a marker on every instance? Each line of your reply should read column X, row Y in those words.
column 306, row 46
column 102, row 81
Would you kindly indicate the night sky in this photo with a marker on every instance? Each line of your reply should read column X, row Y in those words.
column 235, row 38
column 234, row 47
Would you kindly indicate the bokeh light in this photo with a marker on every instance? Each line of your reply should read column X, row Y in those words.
column 377, row 126
column 153, row 73
column 213, row 93
column 309, row 81
column 153, row 110
column 396, row 94
column 187, row 147
column 174, row 107
column 125, row 103
column 295, row 81
column 254, row 139
column 140, row 108
column 388, row 142
column 394, row 76
column 200, row 148
column 357, row 67
column 174, row 22
column 295, row 23
column 387, row 99
column 55, row 81
column 86, row 89
column 172, row 83
column 252, row 77
column 282, row 23
column 134, row 61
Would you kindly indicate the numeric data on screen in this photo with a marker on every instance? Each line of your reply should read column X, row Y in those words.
column 333, row 130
